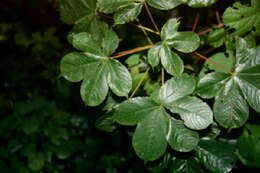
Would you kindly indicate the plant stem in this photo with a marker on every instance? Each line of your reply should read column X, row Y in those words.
column 147, row 29
column 135, row 50
column 196, row 22
column 145, row 33
column 210, row 29
column 218, row 17
column 140, row 83
column 162, row 69
column 151, row 17
column 213, row 63
column 157, row 29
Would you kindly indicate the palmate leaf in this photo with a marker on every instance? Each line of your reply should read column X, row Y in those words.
column 189, row 165
column 170, row 4
column 156, row 128
column 128, row 10
column 125, row 10
column 174, row 95
column 185, row 42
column 178, row 135
column 215, row 156
column 170, row 60
column 95, row 68
column 232, row 93
column 249, row 146
column 149, row 139
column 227, row 61
column 243, row 18
column 72, row 11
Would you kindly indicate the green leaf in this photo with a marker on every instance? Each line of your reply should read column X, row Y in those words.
column 171, row 61
column 242, row 18
column 111, row 6
column 199, row 3
column 249, row 146
column 125, row 10
column 162, row 165
column 212, row 132
column 170, row 4
column 169, row 29
column 119, row 79
column 98, row 72
column 36, row 161
column 133, row 60
column 185, row 42
column 110, row 42
column 180, row 138
column 73, row 10
column 177, row 88
column 245, row 56
column 164, row 4
column 84, row 42
column 230, row 108
column 31, row 125
column 174, row 95
column 95, row 88
column 74, row 65
column 222, row 59
column 196, row 114
column 153, row 55
column 216, row 37
column 110, row 73
column 251, row 76
column 209, row 85
column 246, row 145
column 216, row 157
column 250, row 85
column 134, row 110
column 128, row 13
column 149, row 139
column 189, row 165
column 106, row 123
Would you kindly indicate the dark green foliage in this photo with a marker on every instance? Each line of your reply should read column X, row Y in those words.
column 136, row 89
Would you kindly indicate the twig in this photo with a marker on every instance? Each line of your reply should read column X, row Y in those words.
column 213, row 63
column 218, row 17
column 162, row 69
column 140, row 83
column 151, row 17
column 210, row 29
column 136, row 25
column 135, row 50
column 145, row 28
column 196, row 22
column 145, row 33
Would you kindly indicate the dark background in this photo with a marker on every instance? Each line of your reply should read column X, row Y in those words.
column 44, row 125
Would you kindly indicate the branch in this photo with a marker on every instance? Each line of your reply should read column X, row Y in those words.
column 196, row 22
column 214, row 63
column 210, row 29
column 151, row 16
column 135, row 50
column 140, row 83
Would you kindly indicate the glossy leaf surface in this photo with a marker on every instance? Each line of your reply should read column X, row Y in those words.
column 180, row 138
column 149, row 139
column 216, row 157
column 243, row 18
column 98, row 72
column 230, row 108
